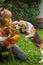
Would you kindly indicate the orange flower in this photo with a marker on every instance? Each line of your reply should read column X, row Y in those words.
column 16, row 37
column 0, row 33
column 11, row 40
column 10, row 26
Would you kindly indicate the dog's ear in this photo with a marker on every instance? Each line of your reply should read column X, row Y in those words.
column 24, row 27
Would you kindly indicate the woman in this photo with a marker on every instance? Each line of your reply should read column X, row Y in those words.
column 5, row 18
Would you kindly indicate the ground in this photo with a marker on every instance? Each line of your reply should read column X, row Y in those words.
column 29, row 48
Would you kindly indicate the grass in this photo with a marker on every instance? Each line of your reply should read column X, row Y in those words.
column 29, row 48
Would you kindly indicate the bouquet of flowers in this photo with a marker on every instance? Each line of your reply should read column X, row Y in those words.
column 9, row 35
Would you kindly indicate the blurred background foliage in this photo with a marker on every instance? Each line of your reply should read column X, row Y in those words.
column 22, row 9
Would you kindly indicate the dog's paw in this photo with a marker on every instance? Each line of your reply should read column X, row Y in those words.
column 41, row 61
column 41, row 57
column 25, row 38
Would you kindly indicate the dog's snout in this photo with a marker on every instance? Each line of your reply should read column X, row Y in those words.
column 15, row 27
column 19, row 25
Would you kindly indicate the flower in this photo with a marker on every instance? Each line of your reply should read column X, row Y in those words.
column 12, row 35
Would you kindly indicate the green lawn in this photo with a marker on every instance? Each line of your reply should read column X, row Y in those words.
column 32, row 52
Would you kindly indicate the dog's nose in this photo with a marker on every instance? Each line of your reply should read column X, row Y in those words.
column 15, row 27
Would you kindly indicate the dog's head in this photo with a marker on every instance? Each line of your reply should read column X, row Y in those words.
column 21, row 25
column 17, row 25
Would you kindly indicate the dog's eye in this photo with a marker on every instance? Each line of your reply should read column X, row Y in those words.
column 19, row 24
column 15, row 23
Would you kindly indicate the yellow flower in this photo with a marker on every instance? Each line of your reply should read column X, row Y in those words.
column 6, row 20
column 10, row 27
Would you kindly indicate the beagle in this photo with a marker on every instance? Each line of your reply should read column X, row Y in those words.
column 32, row 34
